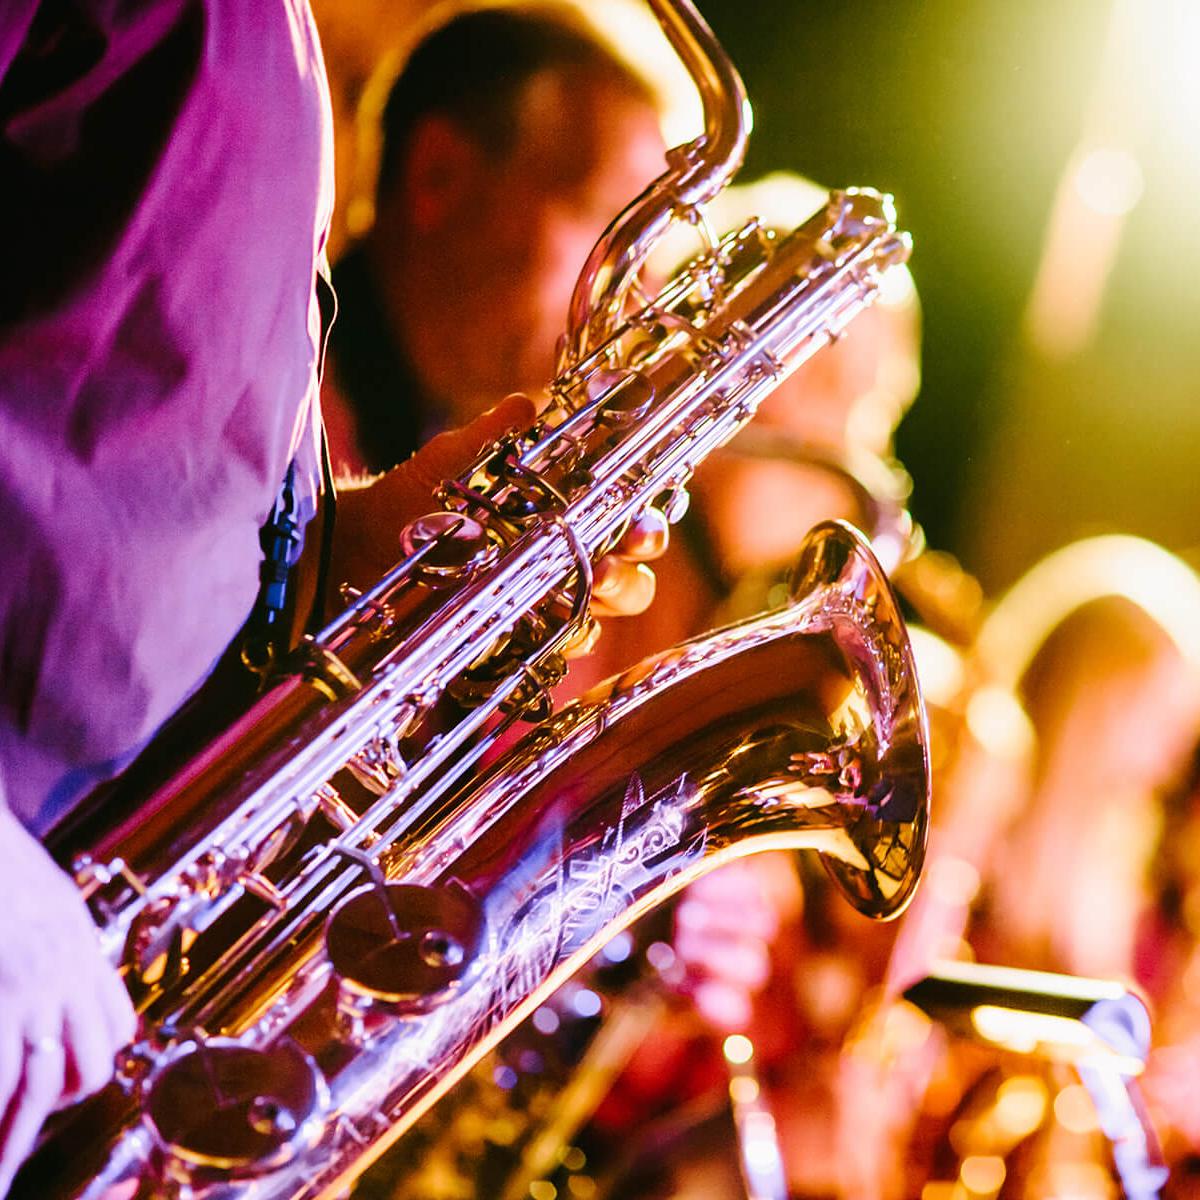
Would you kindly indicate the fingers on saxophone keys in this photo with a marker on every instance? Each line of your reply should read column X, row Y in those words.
column 584, row 642
column 38, row 1087
column 646, row 538
column 621, row 588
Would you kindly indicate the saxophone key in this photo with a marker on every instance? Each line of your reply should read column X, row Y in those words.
column 447, row 547
column 219, row 1108
column 400, row 950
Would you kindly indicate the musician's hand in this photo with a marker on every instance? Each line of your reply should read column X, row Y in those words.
column 370, row 517
column 623, row 585
column 723, row 933
column 63, row 1010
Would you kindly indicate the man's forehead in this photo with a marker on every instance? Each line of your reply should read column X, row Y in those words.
column 571, row 121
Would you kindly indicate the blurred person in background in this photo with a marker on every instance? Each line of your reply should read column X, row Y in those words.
column 1167, row 965
column 511, row 138
column 1061, row 843
column 1091, row 872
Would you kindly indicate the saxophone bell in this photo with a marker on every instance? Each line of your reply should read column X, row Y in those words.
column 802, row 728
column 888, row 825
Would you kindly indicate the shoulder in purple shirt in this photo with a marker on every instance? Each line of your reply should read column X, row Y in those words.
column 167, row 184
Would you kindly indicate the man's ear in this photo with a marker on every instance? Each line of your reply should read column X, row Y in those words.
column 442, row 166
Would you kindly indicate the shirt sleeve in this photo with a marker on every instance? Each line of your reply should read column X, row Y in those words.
column 14, row 26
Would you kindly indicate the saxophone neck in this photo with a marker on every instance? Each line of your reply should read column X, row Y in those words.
column 695, row 173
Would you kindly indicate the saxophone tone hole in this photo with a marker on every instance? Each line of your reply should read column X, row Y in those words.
column 404, row 946
column 228, row 1107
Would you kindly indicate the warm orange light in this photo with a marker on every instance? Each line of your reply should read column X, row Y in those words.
column 1023, row 1032
column 739, row 1049
column 1075, row 1111
column 1026, row 1032
column 982, row 1174
column 1020, row 1106
column 998, row 723
column 573, row 1158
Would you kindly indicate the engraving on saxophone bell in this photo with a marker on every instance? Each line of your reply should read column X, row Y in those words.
column 567, row 908
column 451, row 546
column 401, row 949
column 224, row 1107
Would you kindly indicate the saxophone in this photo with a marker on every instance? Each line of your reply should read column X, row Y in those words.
column 346, row 900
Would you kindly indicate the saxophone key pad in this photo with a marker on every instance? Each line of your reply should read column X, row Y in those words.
column 451, row 546
column 629, row 400
column 402, row 948
column 223, row 1107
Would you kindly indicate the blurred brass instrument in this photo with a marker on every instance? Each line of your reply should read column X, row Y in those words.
column 1099, row 1028
column 344, row 902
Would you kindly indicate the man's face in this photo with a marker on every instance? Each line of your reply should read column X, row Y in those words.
column 584, row 150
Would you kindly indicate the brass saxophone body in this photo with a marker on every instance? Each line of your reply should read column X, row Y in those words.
column 340, row 905
column 333, row 1022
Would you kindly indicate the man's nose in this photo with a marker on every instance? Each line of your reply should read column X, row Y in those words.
column 565, row 247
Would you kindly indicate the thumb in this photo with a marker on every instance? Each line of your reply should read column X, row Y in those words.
column 449, row 453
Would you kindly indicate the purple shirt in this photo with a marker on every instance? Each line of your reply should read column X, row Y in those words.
column 165, row 187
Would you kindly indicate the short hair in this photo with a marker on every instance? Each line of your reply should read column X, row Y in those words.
column 1099, row 648
column 474, row 69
